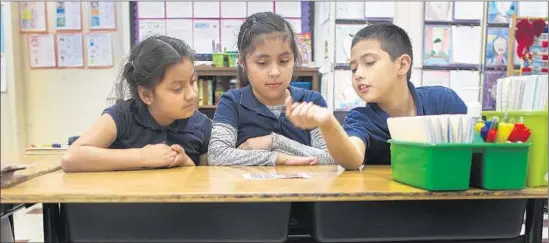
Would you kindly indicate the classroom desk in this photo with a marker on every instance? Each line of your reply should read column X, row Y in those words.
column 227, row 184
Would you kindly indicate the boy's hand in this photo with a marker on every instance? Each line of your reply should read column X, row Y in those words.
column 181, row 159
column 258, row 143
column 306, row 115
column 157, row 155
column 284, row 159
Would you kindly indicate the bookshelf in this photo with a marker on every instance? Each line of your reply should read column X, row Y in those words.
column 223, row 75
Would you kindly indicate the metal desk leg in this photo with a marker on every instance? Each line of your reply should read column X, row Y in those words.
column 52, row 222
column 534, row 220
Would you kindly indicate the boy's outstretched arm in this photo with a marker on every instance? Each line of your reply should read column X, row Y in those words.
column 347, row 151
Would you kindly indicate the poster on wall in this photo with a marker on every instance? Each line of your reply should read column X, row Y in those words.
column 344, row 38
column 68, row 15
column 33, row 17
column 102, row 15
column 501, row 11
column 42, row 51
column 438, row 11
column 496, row 46
column 70, row 50
column 99, row 50
column 437, row 45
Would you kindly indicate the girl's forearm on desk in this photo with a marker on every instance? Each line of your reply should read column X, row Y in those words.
column 88, row 158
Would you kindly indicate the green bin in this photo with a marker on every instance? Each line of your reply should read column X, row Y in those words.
column 434, row 167
column 500, row 166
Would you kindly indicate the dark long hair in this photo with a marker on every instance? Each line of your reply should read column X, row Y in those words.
column 148, row 62
column 254, row 29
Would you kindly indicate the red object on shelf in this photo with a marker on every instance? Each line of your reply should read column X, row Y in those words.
column 544, row 57
column 545, row 44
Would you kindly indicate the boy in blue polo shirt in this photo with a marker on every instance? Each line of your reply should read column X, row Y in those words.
column 381, row 60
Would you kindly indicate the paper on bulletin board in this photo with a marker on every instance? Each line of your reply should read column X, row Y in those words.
column 437, row 45
column 42, row 50
column 206, row 9
column 533, row 9
column 179, row 9
column 349, row 10
column 438, row 11
column 233, row 9
column 344, row 38
column 464, row 10
column 3, row 73
column 102, row 15
column 68, row 15
column 150, row 27
column 288, row 9
column 148, row 10
column 70, row 50
column 99, row 50
column 496, row 46
column 466, row 84
column 383, row 9
column 434, row 78
column 259, row 6
column 181, row 29
column 229, row 34
column 206, row 36
column 501, row 11
column 466, row 44
column 345, row 97
column 296, row 25
column 33, row 16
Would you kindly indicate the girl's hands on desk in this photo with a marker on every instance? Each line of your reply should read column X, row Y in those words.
column 157, row 155
column 306, row 115
column 285, row 159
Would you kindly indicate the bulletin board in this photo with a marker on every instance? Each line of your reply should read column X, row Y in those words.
column 210, row 27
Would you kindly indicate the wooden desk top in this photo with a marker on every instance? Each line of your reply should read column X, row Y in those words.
column 40, row 165
column 226, row 184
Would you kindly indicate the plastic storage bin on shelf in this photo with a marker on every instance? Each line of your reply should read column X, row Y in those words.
column 500, row 166
column 537, row 161
column 435, row 167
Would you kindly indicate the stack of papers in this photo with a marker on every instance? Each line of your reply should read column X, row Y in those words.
column 522, row 93
column 432, row 129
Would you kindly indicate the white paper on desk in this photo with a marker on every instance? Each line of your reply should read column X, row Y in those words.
column 296, row 25
column 206, row 36
column 151, row 10
column 266, row 176
column 70, row 50
column 233, row 9
column 229, row 34
column 468, row 10
column 532, row 9
column 99, row 49
column 288, row 9
column 466, row 44
column 181, row 29
column 344, row 38
column 349, row 10
column 434, row 78
column 150, row 27
column 383, row 9
column 206, row 9
column 179, row 9
column 438, row 11
column 258, row 7
column 68, row 16
column 42, row 50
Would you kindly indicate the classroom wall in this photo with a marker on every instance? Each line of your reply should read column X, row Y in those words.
column 59, row 103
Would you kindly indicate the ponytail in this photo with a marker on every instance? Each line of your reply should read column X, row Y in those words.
column 242, row 77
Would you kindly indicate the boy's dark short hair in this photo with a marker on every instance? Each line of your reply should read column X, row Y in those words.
column 392, row 39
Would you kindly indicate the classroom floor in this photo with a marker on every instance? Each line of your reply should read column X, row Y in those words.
column 28, row 225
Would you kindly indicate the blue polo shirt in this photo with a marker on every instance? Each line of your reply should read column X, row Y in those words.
column 136, row 128
column 240, row 109
column 369, row 123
